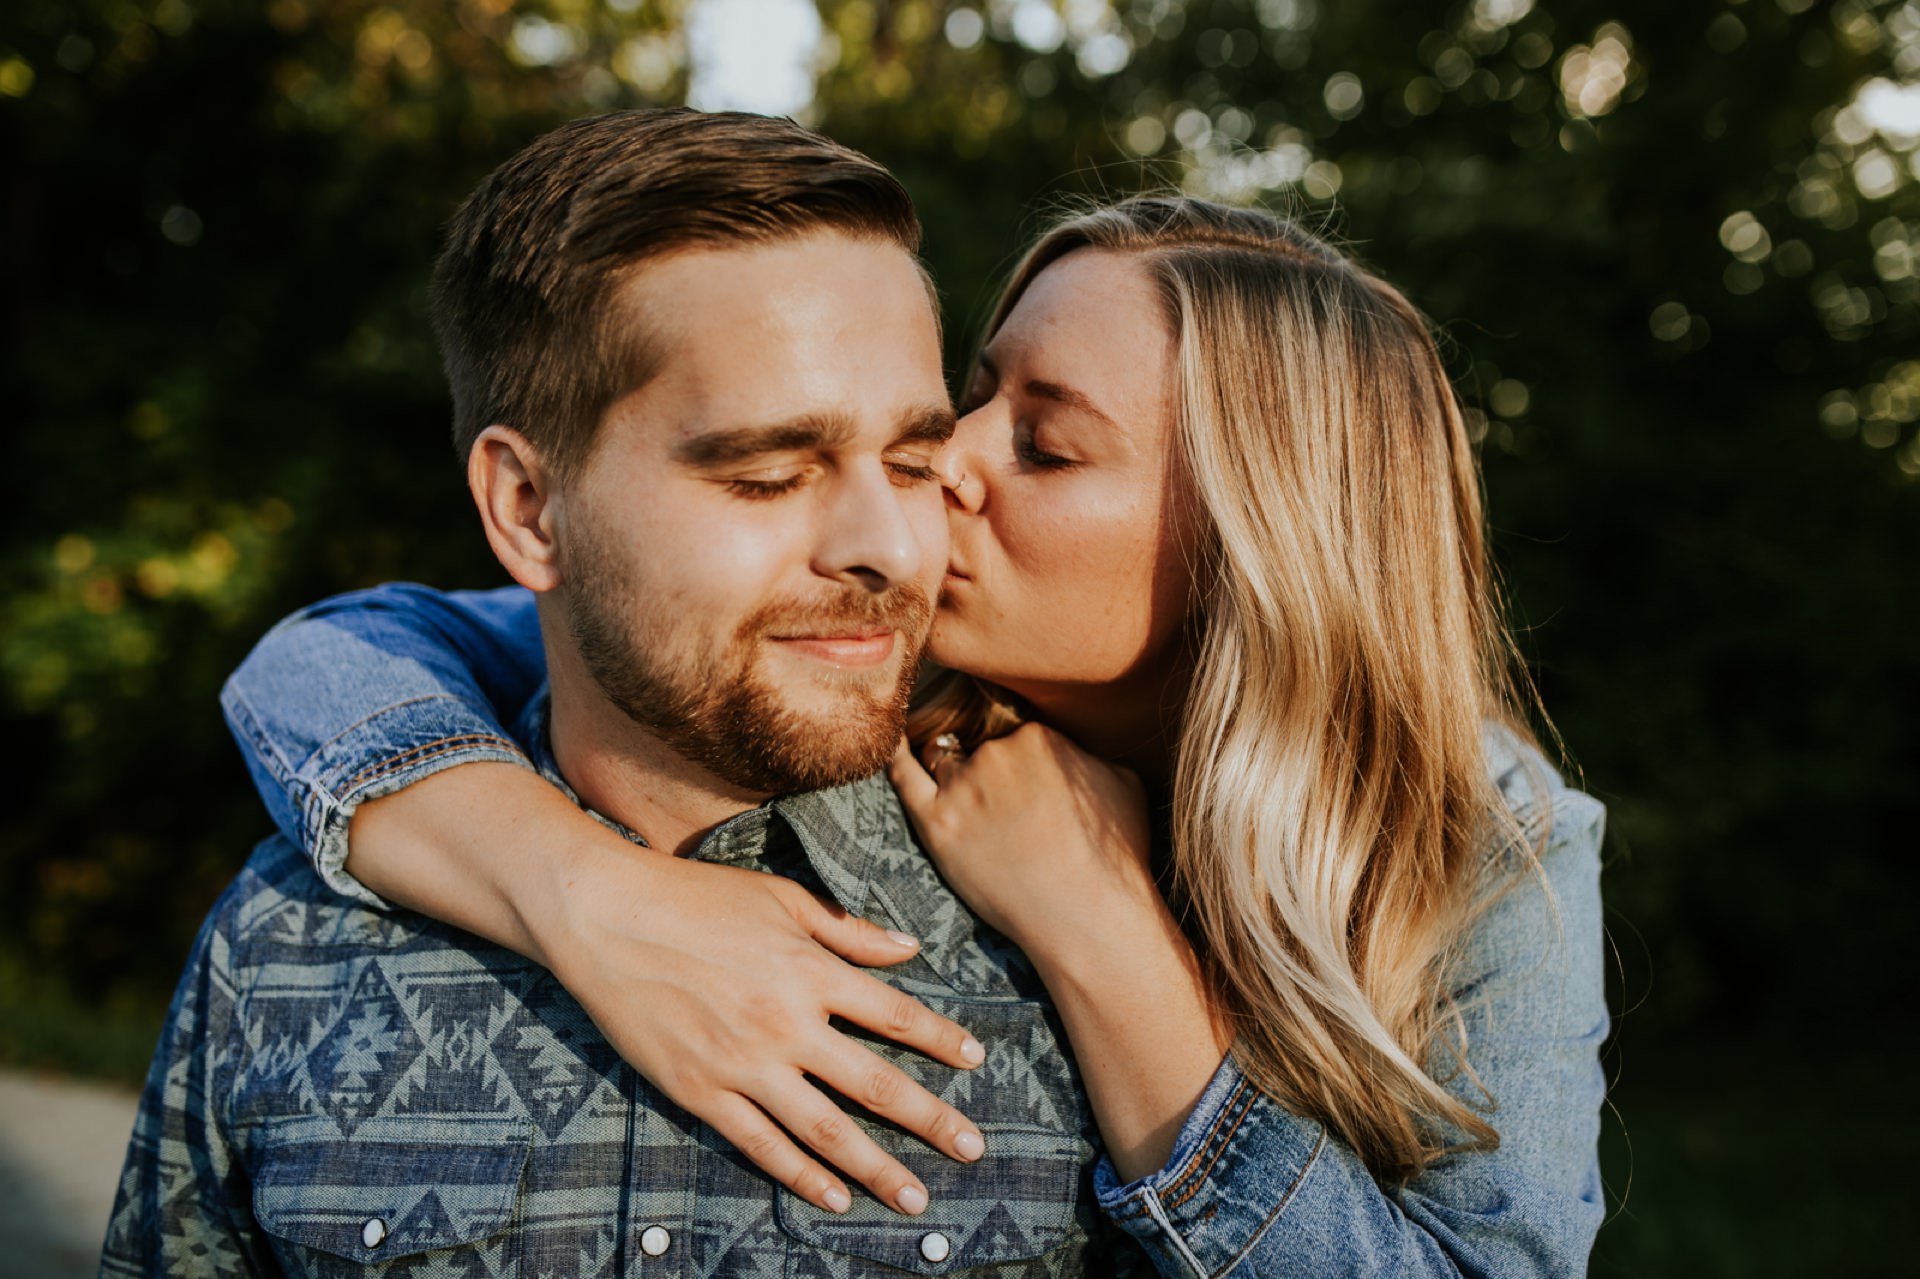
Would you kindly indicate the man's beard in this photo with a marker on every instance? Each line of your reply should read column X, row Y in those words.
column 715, row 709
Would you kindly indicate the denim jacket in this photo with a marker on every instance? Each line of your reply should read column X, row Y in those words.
column 367, row 693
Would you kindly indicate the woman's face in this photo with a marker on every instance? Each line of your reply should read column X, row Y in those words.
column 1070, row 529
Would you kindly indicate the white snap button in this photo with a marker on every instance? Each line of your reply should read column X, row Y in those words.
column 374, row 1233
column 935, row 1246
column 655, row 1240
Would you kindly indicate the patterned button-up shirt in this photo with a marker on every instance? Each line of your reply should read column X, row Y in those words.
column 345, row 1090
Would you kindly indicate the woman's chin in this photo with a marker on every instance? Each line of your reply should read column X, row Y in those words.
column 942, row 648
column 956, row 646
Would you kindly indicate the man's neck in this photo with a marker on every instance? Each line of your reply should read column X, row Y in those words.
column 623, row 772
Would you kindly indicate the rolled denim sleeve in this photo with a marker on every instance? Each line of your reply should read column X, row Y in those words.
column 1253, row 1189
column 367, row 693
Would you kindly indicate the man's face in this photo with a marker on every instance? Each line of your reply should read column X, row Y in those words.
column 752, row 549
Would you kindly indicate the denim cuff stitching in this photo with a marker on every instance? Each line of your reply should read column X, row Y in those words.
column 1184, row 1184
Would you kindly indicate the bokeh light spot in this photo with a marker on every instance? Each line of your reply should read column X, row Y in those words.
column 1344, row 95
column 965, row 28
column 539, row 42
column 1726, row 33
column 1669, row 321
column 73, row 553
column 1509, row 397
column 1037, row 25
column 1145, row 135
column 1875, row 175
column 1593, row 78
column 182, row 226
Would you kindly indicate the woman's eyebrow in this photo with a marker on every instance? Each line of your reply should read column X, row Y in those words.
column 1059, row 394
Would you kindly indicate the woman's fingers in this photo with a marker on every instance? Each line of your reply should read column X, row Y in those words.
column 883, row 1088
column 915, row 785
column 856, row 940
column 833, row 1135
column 760, row 1139
column 870, row 1002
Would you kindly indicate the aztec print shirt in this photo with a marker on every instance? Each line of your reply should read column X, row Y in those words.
column 348, row 1090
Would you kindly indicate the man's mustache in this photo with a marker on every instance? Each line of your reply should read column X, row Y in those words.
column 904, row 608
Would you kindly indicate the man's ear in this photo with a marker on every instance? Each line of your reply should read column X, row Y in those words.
column 519, row 505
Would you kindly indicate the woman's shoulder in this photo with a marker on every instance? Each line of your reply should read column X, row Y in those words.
column 1539, row 894
column 1551, row 817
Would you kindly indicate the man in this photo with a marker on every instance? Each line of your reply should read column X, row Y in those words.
column 696, row 376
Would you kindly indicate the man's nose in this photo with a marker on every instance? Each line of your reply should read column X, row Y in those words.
column 867, row 537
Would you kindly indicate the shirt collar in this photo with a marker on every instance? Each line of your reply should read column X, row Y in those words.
column 835, row 827
column 859, row 843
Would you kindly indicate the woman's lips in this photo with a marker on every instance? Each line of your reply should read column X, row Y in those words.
column 857, row 650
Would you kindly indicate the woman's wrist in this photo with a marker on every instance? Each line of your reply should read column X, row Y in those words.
column 490, row 848
column 1137, row 1010
column 1111, row 926
column 1069, row 906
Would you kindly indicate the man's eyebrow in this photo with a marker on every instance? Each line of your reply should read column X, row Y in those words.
column 718, row 448
column 931, row 425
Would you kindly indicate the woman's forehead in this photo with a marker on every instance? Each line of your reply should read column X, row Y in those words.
column 1089, row 303
column 1091, row 329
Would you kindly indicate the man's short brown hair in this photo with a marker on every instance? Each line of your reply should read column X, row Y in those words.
column 522, row 290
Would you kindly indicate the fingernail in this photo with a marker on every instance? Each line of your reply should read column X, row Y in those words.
column 971, row 1052
column 969, row 1145
column 912, row 1200
column 838, row 1200
column 905, row 939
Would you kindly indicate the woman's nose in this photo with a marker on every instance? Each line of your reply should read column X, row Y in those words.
column 958, row 467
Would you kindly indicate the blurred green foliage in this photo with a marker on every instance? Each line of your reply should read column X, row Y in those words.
column 1674, row 250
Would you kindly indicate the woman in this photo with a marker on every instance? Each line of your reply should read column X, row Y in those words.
column 1216, row 525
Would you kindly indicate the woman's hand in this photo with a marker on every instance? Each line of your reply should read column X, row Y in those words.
column 1044, row 841
column 715, row 983
column 1051, row 846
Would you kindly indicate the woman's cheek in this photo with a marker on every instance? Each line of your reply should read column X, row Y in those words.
column 1090, row 588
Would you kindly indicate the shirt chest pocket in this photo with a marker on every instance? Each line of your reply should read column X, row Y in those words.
column 396, row 1208
column 1024, row 1209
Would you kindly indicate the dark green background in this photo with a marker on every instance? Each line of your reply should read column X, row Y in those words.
column 221, row 401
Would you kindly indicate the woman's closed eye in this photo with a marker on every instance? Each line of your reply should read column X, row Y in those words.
column 1026, row 446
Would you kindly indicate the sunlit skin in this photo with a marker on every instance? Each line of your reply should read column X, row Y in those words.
column 1069, row 579
column 1070, row 584
column 782, row 452
column 1070, row 549
column 781, row 456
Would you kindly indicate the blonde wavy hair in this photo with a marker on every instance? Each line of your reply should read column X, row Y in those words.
column 1331, row 792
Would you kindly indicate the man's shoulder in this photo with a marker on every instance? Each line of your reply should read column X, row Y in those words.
column 279, row 912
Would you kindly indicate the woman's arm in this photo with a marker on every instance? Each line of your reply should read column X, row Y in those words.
column 1050, row 846
column 1248, row 1187
column 372, row 726
column 367, row 693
